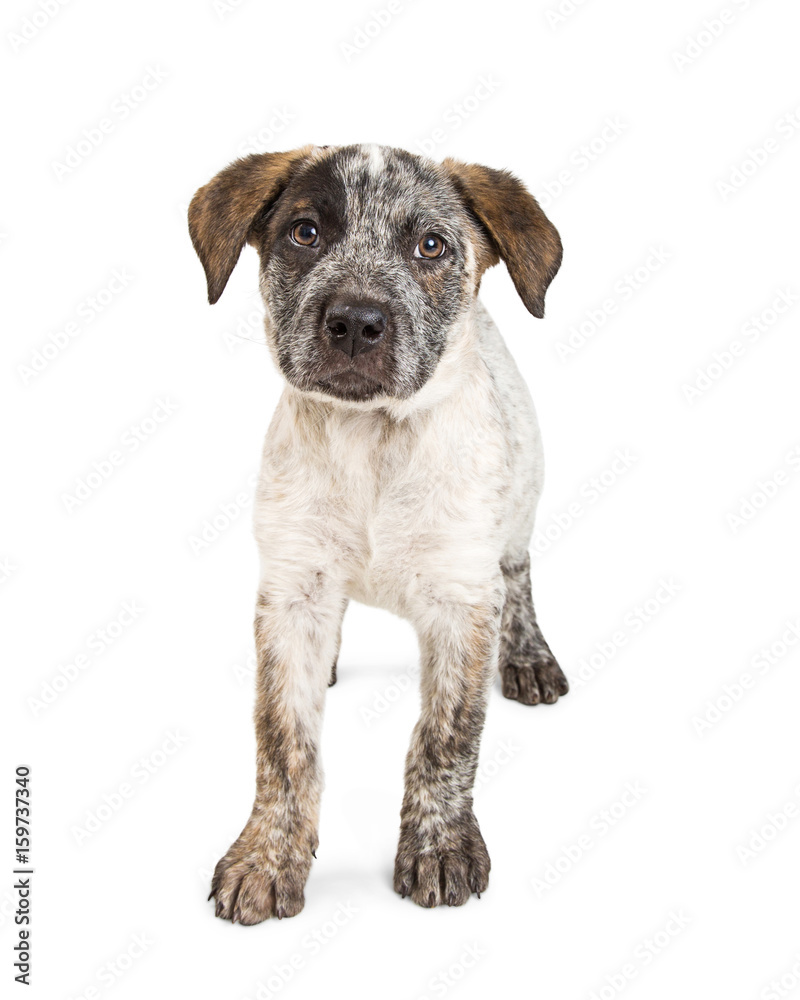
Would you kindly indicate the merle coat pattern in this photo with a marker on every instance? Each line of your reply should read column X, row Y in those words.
column 402, row 468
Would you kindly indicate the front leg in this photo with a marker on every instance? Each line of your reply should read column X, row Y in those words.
column 264, row 872
column 441, row 857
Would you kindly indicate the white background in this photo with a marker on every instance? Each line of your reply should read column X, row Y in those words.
column 689, row 184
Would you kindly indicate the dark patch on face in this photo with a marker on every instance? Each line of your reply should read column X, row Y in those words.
column 221, row 212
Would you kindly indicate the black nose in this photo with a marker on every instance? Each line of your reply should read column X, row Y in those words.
column 354, row 327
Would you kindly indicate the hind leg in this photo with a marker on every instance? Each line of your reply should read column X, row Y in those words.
column 529, row 671
column 332, row 679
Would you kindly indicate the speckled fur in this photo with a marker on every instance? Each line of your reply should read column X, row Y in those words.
column 405, row 478
column 529, row 670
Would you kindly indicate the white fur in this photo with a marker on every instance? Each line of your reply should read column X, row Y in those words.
column 376, row 161
column 408, row 505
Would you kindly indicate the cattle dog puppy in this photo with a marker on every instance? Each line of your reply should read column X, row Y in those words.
column 402, row 469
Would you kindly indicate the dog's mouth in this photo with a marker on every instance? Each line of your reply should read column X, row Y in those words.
column 351, row 385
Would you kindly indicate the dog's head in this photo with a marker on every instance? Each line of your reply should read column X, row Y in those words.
column 370, row 257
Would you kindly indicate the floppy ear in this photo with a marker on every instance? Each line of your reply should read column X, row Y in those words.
column 222, row 211
column 520, row 231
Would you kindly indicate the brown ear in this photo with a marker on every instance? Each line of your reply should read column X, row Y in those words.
column 222, row 211
column 520, row 231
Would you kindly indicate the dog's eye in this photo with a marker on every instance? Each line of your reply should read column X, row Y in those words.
column 305, row 233
column 430, row 246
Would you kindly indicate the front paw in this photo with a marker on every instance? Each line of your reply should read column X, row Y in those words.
column 442, row 868
column 252, row 883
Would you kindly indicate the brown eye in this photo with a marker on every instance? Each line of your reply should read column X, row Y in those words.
column 305, row 233
column 430, row 246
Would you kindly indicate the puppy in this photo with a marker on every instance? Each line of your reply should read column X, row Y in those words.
column 402, row 469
